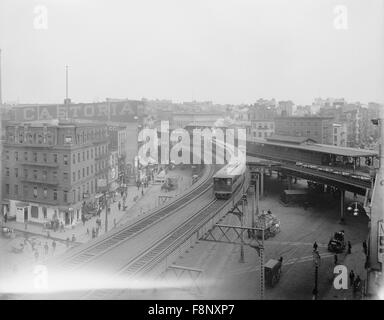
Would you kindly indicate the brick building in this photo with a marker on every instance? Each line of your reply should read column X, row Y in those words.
column 318, row 129
column 50, row 168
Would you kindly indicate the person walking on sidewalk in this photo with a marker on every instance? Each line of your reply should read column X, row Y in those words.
column 351, row 278
column 53, row 246
column 46, row 249
column 93, row 233
column 119, row 205
column 365, row 248
column 315, row 246
column 349, row 247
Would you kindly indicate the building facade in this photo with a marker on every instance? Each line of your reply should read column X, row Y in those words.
column 318, row 129
column 49, row 169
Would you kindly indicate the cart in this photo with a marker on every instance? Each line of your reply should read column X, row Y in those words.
column 272, row 271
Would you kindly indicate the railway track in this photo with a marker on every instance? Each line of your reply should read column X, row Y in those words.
column 149, row 259
column 111, row 240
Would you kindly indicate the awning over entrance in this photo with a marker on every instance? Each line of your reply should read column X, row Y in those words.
column 21, row 204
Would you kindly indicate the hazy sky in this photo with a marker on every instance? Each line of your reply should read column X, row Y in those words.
column 226, row 51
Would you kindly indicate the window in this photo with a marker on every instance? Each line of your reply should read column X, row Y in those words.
column 16, row 172
column 26, row 156
column 16, row 156
column 34, row 212
column 78, row 157
column 74, row 176
column 54, row 194
column 87, row 171
column 91, row 169
column 78, row 194
column 91, row 153
column 78, row 174
column 55, row 158
column 35, row 174
column 44, row 157
column 44, row 212
column 74, row 159
column 83, row 172
column 45, row 192
column 65, row 176
column 7, row 188
column 65, row 159
column 7, row 172
column 83, row 155
column 44, row 174
column 35, row 156
column 25, row 191
column 68, row 139
column 26, row 173
column 87, row 154
column 7, row 155
column 54, row 173
column 65, row 196
column 35, row 192
column 16, row 189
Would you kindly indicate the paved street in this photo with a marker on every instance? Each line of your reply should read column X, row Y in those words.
column 299, row 230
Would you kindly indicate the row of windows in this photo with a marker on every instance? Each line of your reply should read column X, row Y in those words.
column 45, row 193
column 85, row 172
column 44, row 157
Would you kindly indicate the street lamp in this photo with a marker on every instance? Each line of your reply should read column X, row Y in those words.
column 316, row 262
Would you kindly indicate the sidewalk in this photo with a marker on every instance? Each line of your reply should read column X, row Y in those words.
column 137, row 204
column 356, row 262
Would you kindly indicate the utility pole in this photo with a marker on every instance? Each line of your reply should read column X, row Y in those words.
column 242, row 237
column 1, row 96
column 316, row 261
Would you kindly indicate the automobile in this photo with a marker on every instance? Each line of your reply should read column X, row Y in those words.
column 321, row 169
column 272, row 270
column 337, row 242
column 305, row 165
column 6, row 232
column 345, row 174
column 299, row 164
column 354, row 176
column 328, row 170
column 364, row 178
column 312, row 166
column 336, row 172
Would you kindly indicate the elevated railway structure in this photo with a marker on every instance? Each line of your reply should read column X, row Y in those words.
column 347, row 169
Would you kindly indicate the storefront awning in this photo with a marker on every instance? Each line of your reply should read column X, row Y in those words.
column 21, row 204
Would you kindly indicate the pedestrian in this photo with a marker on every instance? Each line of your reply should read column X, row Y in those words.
column 315, row 246
column 53, row 246
column 365, row 248
column 335, row 259
column 349, row 247
column 142, row 192
column 87, row 231
column 97, row 231
column 46, row 249
column 73, row 238
column 93, row 233
column 67, row 242
column 5, row 218
column 351, row 278
column 114, row 222
column 36, row 255
column 83, row 219
column 119, row 205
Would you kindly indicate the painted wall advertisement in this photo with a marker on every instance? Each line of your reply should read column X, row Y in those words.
column 122, row 111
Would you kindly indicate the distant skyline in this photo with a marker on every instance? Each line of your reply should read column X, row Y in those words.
column 224, row 51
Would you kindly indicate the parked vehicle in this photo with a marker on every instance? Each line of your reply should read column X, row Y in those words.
column 272, row 271
column 337, row 242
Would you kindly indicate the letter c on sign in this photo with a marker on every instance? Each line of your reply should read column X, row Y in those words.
column 382, row 182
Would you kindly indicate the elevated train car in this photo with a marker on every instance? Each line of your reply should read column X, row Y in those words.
column 228, row 179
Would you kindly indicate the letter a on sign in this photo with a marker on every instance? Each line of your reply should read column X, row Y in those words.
column 341, row 279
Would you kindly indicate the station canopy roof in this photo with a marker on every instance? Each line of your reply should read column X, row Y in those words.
column 320, row 148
